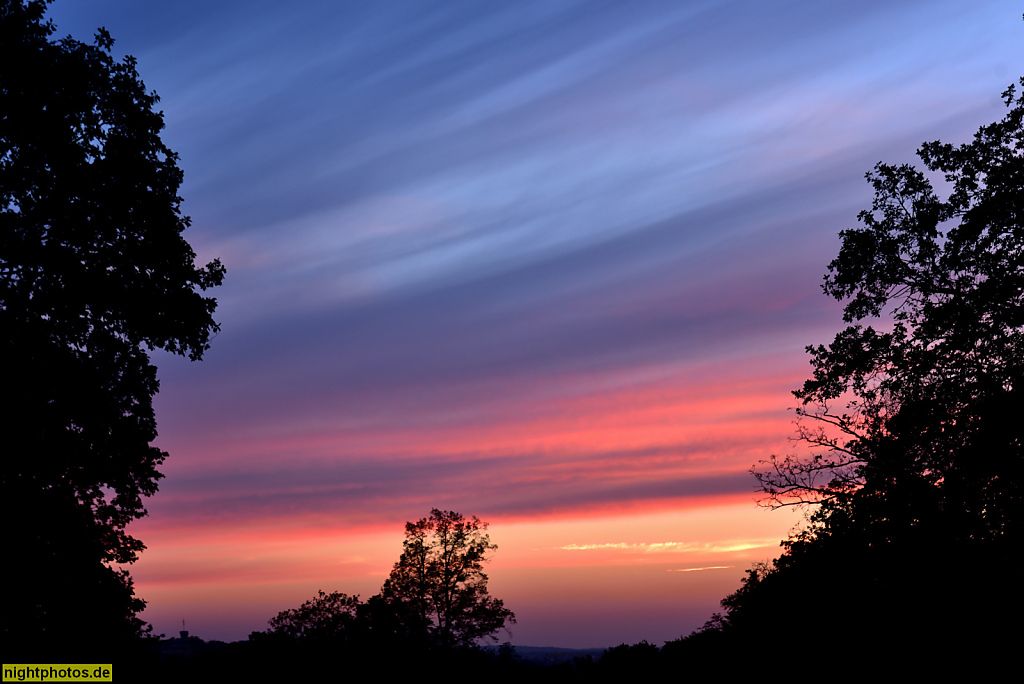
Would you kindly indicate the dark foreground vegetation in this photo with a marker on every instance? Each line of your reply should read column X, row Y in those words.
column 252, row 660
column 915, row 472
column 94, row 273
column 914, row 475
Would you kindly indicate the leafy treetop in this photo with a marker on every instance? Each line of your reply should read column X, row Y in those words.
column 440, row 579
column 941, row 377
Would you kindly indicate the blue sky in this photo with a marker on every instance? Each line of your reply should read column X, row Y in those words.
column 452, row 229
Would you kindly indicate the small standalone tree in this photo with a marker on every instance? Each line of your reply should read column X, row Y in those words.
column 434, row 608
column 440, row 582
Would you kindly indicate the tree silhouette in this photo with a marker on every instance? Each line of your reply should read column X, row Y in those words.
column 324, row 617
column 439, row 580
column 425, row 623
column 930, row 403
column 914, row 428
column 94, row 273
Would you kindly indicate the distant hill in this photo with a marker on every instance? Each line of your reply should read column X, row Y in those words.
column 551, row 655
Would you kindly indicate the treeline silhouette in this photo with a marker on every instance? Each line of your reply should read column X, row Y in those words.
column 94, row 274
column 915, row 468
column 428, row 620
column 914, row 473
column 259, row 659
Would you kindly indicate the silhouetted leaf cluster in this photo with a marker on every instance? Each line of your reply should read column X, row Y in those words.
column 917, row 443
column 94, row 273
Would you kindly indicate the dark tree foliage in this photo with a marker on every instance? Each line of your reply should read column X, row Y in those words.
column 436, row 597
column 916, row 467
column 439, row 580
column 629, row 662
column 929, row 406
column 426, row 623
column 336, row 627
column 94, row 273
column 324, row 617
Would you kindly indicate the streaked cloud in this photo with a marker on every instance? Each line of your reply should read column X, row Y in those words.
column 710, row 567
column 677, row 547
column 537, row 261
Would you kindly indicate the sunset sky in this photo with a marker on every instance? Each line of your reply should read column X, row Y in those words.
column 553, row 264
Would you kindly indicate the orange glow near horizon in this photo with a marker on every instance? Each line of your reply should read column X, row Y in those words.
column 542, row 566
column 586, row 493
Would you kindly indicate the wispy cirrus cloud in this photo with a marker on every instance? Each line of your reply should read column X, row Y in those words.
column 709, row 567
column 677, row 547
column 533, row 261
